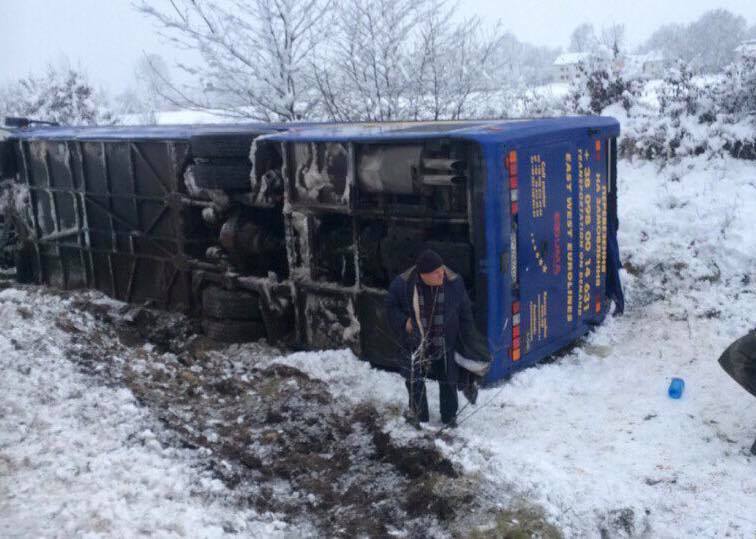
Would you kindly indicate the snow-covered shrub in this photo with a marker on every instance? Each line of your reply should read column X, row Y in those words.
column 598, row 87
column 535, row 104
column 62, row 95
column 679, row 94
column 734, row 98
column 688, row 115
column 737, row 89
column 662, row 137
column 673, row 129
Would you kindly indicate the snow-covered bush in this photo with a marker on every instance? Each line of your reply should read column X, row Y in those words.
column 538, row 104
column 679, row 95
column 737, row 90
column 671, row 128
column 61, row 95
column 597, row 87
column 688, row 115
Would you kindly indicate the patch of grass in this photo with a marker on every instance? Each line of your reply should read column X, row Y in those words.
column 522, row 523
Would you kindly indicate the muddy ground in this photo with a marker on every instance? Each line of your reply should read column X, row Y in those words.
column 278, row 438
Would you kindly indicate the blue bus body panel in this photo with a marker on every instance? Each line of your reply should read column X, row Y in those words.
column 564, row 241
column 557, row 256
column 565, row 236
column 483, row 131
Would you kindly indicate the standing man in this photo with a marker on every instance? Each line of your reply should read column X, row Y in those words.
column 430, row 313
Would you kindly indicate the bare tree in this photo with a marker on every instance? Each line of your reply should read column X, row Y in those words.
column 472, row 64
column 613, row 38
column 431, row 69
column 152, row 75
column 583, row 38
column 406, row 60
column 366, row 75
column 255, row 54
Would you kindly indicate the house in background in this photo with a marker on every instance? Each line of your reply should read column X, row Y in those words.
column 567, row 65
column 747, row 49
column 643, row 66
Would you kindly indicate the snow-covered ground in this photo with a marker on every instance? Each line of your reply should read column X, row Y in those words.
column 83, row 459
column 592, row 438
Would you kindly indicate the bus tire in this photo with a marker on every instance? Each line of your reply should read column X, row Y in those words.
column 230, row 304
column 230, row 331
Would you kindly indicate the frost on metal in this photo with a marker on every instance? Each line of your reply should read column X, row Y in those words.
column 321, row 172
column 331, row 322
column 14, row 197
column 390, row 169
column 217, row 196
column 298, row 244
column 267, row 184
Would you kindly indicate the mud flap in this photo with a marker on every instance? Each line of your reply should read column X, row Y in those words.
column 613, row 283
column 739, row 361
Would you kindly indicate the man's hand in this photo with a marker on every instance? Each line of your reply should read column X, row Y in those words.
column 408, row 326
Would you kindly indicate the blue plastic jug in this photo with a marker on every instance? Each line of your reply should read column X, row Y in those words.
column 676, row 388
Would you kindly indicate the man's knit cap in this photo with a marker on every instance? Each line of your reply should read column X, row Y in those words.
column 428, row 261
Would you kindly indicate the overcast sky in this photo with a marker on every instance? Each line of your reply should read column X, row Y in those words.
column 107, row 37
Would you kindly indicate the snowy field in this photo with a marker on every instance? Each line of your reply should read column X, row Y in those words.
column 83, row 459
column 591, row 438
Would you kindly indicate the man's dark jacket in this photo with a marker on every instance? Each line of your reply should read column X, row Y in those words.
column 739, row 361
column 460, row 333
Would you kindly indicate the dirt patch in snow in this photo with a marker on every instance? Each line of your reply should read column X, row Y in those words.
column 277, row 438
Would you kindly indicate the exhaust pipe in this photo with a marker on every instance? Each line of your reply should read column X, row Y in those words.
column 456, row 166
column 442, row 180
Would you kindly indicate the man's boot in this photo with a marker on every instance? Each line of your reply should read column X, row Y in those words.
column 451, row 423
column 412, row 419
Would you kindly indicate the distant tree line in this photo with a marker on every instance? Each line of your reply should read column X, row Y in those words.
column 372, row 60
column 707, row 44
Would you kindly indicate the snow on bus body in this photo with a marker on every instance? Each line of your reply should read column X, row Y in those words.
column 540, row 216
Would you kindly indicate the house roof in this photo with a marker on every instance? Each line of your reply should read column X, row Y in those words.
column 651, row 56
column 747, row 47
column 572, row 58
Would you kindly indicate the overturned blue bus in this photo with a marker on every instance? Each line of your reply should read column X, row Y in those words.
column 294, row 232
